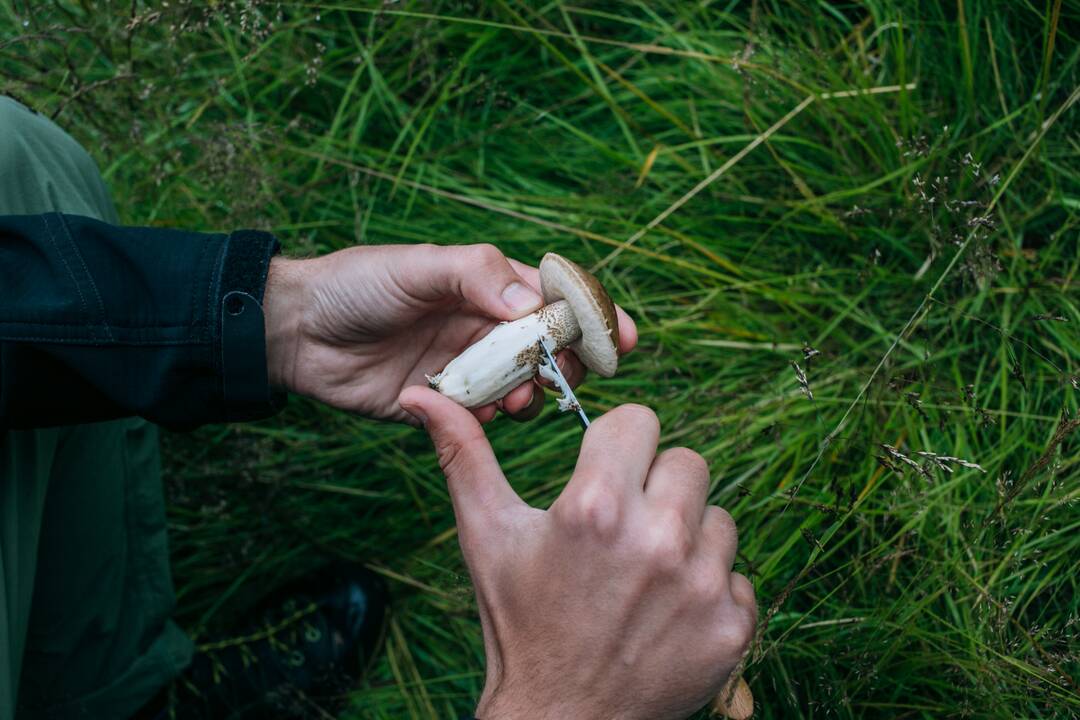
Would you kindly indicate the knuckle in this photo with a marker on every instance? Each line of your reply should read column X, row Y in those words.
column 747, row 625
column 750, row 616
column 669, row 546
column 688, row 462
column 742, row 590
column 595, row 510
column 734, row 633
column 723, row 524
column 486, row 255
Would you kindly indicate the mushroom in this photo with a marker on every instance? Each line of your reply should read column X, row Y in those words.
column 578, row 314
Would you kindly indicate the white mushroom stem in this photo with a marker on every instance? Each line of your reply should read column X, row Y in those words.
column 507, row 356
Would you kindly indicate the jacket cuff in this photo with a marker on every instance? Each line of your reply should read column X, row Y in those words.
column 245, row 388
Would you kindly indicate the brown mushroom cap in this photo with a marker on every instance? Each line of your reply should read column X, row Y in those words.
column 598, row 347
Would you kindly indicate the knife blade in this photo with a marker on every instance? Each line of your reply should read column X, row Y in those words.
column 549, row 370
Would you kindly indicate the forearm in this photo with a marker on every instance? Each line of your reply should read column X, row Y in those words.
column 99, row 321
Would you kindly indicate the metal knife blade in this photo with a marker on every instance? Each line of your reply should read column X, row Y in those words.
column 549, row 370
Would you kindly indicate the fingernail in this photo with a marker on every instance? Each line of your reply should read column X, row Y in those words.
column 520, row 299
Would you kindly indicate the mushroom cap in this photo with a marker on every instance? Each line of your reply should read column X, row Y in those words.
column 598, row 347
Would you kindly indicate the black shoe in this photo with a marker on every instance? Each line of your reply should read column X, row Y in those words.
column 307, row 649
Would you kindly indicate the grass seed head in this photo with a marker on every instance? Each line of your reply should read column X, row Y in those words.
column 800, row 377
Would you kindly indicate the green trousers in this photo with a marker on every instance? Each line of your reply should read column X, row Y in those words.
column 85, row 589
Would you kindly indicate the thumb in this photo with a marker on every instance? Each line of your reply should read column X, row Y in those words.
column 483, row 276
column 477, row 484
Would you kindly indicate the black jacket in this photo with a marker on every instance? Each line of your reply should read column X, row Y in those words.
column 99, row 322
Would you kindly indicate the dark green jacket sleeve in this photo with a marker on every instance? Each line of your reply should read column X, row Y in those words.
column 99, row 321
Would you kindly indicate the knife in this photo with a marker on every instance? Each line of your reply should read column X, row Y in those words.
column 549, row 370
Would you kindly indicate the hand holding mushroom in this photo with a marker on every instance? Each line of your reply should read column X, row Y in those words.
column 355, row 327
column 579, row 314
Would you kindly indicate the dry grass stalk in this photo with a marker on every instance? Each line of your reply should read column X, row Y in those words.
column 1067, row 426
column 945, row 462
column 800, row 376
column 897, row 455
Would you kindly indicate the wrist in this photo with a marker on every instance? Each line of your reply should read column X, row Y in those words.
column 283, row 306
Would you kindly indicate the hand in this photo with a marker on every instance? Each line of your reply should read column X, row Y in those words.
column 355, row 327
column 619, row 601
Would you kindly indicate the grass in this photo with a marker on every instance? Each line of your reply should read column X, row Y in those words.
column 923, row 240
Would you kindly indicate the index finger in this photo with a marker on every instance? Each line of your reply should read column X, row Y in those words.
column 618, row 449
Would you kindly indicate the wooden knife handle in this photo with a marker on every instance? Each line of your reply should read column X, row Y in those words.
column 735, row 701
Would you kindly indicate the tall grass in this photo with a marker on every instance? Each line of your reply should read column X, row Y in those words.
column 877, row 296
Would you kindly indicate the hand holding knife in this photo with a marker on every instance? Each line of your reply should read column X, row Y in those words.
column 736, row 700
